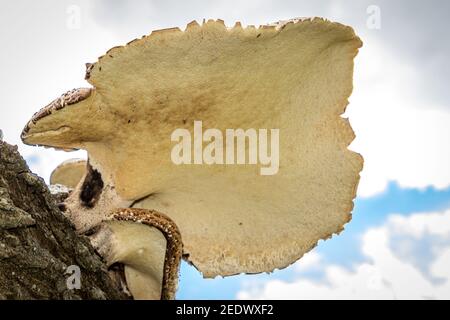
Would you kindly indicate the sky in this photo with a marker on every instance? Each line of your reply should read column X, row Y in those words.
column 398, row 243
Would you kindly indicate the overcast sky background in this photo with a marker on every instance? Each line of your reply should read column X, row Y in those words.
column 398, row 244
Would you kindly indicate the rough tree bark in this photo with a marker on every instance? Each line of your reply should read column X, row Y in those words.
column 38, row 244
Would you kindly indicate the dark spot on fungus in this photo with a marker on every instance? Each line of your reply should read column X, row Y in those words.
column 91, row 188
column 62, row 207
column 117, row 272
column 92, row 231
column 89, row 67
column 259, row 35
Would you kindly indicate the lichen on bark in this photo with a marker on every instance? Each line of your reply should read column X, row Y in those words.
column 38, row 244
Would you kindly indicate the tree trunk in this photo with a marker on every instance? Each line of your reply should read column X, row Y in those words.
column 41, row 256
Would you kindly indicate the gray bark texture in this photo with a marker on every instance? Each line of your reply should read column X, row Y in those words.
column 38, row 244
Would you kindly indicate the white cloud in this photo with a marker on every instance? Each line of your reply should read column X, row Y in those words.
column 309, row 261
column 387, row 274
column 43, row 59
column 419, row 225
column 401, row 138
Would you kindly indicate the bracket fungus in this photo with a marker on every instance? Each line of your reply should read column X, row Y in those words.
column 149, row 246
column 69, row 173
column 293, row 76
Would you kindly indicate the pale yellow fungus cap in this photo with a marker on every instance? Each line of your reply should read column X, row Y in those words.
column 295, row 76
